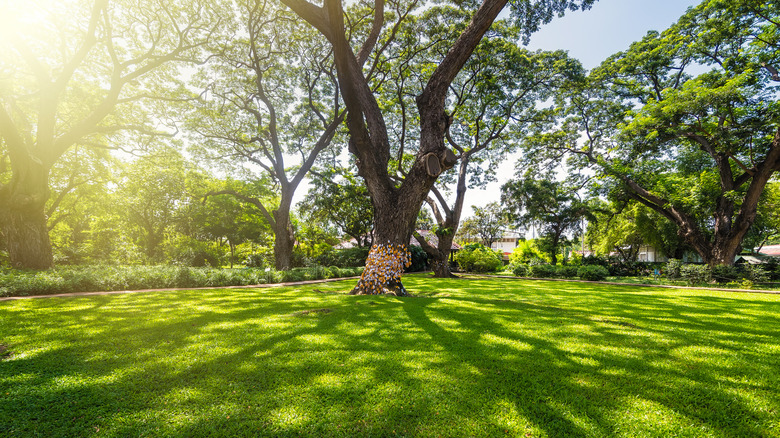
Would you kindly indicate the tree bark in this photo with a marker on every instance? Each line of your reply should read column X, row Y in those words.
column 284, row 238
column 23, row 216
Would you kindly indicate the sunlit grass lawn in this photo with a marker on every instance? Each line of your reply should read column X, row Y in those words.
column 466, row 357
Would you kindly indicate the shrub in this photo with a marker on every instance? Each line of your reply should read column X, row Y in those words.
column 344, row 258
column 476, row 257
column 542, row 271
column 419, row 259
column 106, row 278
column 695, row 274
column 726, row 274
column 673, row 269
column 525, row 252
column 595, row 260
column 756, row 273
column 592, row 272
column 567, row 271
column 520, row 270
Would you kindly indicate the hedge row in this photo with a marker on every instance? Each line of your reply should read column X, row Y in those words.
column 585, row 272
column 111, row 278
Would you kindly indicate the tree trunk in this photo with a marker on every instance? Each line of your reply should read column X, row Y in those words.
column 23, row 219
column 283, row 237
column 441, row 264
column 27, row 238
column 394, row 221
column 440, row 254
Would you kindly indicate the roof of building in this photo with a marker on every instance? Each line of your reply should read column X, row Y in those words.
column 770, row 250
column 432, row 239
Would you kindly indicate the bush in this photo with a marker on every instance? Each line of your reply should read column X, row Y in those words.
column 108, row 278
column 756, row 273
column 542, row 271
column 726, row 274
column 695, row 274
column 592, row 272
column 344, row 258
column 419, row 259
column 520, row 270
column 525, row 252
column 567, row 271
column 673, row 269
column 476, row 257
column 595, row 260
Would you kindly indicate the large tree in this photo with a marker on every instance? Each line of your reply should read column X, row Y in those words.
column 83, row 76
column 396, row 203
column 493, row 100
column 699, row 150
column 270, row 103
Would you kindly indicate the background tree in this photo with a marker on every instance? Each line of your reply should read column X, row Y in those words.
column 552, row 205
column 487, row 224
column 623, row 227
column 269, row 96
column 79, row 184
column 340, row 199
column 698, row 150
column 224, row 221
column 85, row 76
column 396, row 203
column 152, row 191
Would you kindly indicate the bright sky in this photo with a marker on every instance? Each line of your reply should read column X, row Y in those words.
column 610, row 26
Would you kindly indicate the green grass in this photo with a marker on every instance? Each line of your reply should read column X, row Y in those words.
column 466, row 357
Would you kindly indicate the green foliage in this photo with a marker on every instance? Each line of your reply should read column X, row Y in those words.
column 757, row 273
column 261, row 257
column 567, row 271
column 542, row 271
column 340, row 199
column 344, row 258
column 520, row 270
column 524, row 253
column 592, row 272
column 110, row 278
column 419, row 259
column 673, row 268
column 487, row 224
column 547, row 203
column 695, row 274
column 726, row 274
column 185, row 251
column 476, row 257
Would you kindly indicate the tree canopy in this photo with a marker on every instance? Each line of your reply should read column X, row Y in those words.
column 696, row 147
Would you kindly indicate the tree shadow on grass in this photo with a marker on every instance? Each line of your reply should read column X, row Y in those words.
column 653, row 362
column 479, row 363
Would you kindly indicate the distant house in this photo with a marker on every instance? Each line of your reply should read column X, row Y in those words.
column 770, row 250
column 648, row 253
column 506, row 243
